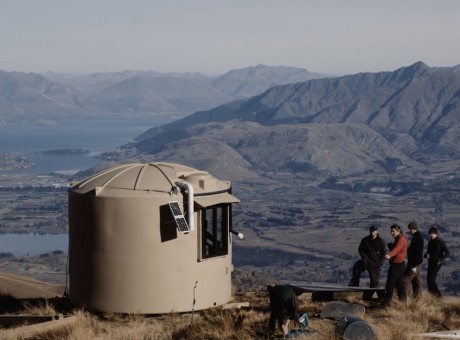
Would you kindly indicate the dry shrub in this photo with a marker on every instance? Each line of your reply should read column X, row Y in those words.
column 452, row 313
column 403, row 320
column 90, row 327
column 42, row 308
column 85, row 328
column 167, row 325
column 220, row 323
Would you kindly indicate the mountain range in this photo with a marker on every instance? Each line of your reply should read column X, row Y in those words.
column 314, row 161
column 370, row 123
column 32, row 98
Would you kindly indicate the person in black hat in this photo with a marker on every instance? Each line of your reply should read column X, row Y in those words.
column 372, row 251
column 412, row 275
column 436, row 253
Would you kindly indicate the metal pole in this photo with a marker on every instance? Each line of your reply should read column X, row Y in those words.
column 194, row 299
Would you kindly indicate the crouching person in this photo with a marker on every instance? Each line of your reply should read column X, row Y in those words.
column 372, row 252
column 284, row 305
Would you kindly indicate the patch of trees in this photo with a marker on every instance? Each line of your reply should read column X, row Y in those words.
column 256, row 256
column 279, row 221
column 297, row 166
column 34, row 189
column 390, row 187
column 6, row 255
column 390, row 164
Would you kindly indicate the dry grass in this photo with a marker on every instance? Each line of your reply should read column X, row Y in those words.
column 398, row 322
column 404, row 319
column 41, row 308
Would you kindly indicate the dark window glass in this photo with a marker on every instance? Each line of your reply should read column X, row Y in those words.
column 215, row 231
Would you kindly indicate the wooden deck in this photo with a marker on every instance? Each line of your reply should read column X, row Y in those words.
column 327, row 291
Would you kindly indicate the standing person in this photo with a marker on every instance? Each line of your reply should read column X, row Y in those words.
column 284, row 305
column 372, row 252
column 436, row 253
column 398, row 251
column 412, row 275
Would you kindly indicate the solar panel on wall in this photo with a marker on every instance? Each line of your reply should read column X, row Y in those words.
column 181, row 223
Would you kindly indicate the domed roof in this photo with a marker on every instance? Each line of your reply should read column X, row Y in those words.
column 137, row 178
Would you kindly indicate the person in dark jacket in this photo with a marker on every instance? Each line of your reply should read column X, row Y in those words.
column 396, row 256
column 412, row 275
column 436, row 253
column 372, row 252
column 284, row 305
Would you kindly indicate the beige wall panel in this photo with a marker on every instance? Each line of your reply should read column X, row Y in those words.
column 119, row 263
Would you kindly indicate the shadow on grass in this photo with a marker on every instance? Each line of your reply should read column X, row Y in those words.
column 12, row 305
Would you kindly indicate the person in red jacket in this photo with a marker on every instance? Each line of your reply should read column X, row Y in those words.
column 396, row 256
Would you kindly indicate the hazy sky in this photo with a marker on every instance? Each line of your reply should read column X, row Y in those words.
column 213, row 37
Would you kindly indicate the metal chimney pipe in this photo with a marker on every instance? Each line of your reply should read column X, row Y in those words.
column 189, row 189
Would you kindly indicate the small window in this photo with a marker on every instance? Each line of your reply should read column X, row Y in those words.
column 214, row 231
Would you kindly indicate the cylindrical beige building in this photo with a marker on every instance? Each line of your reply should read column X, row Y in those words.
column 150, row 238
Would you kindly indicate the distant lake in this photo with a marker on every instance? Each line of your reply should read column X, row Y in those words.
column 33, row 243
column 96, row 135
